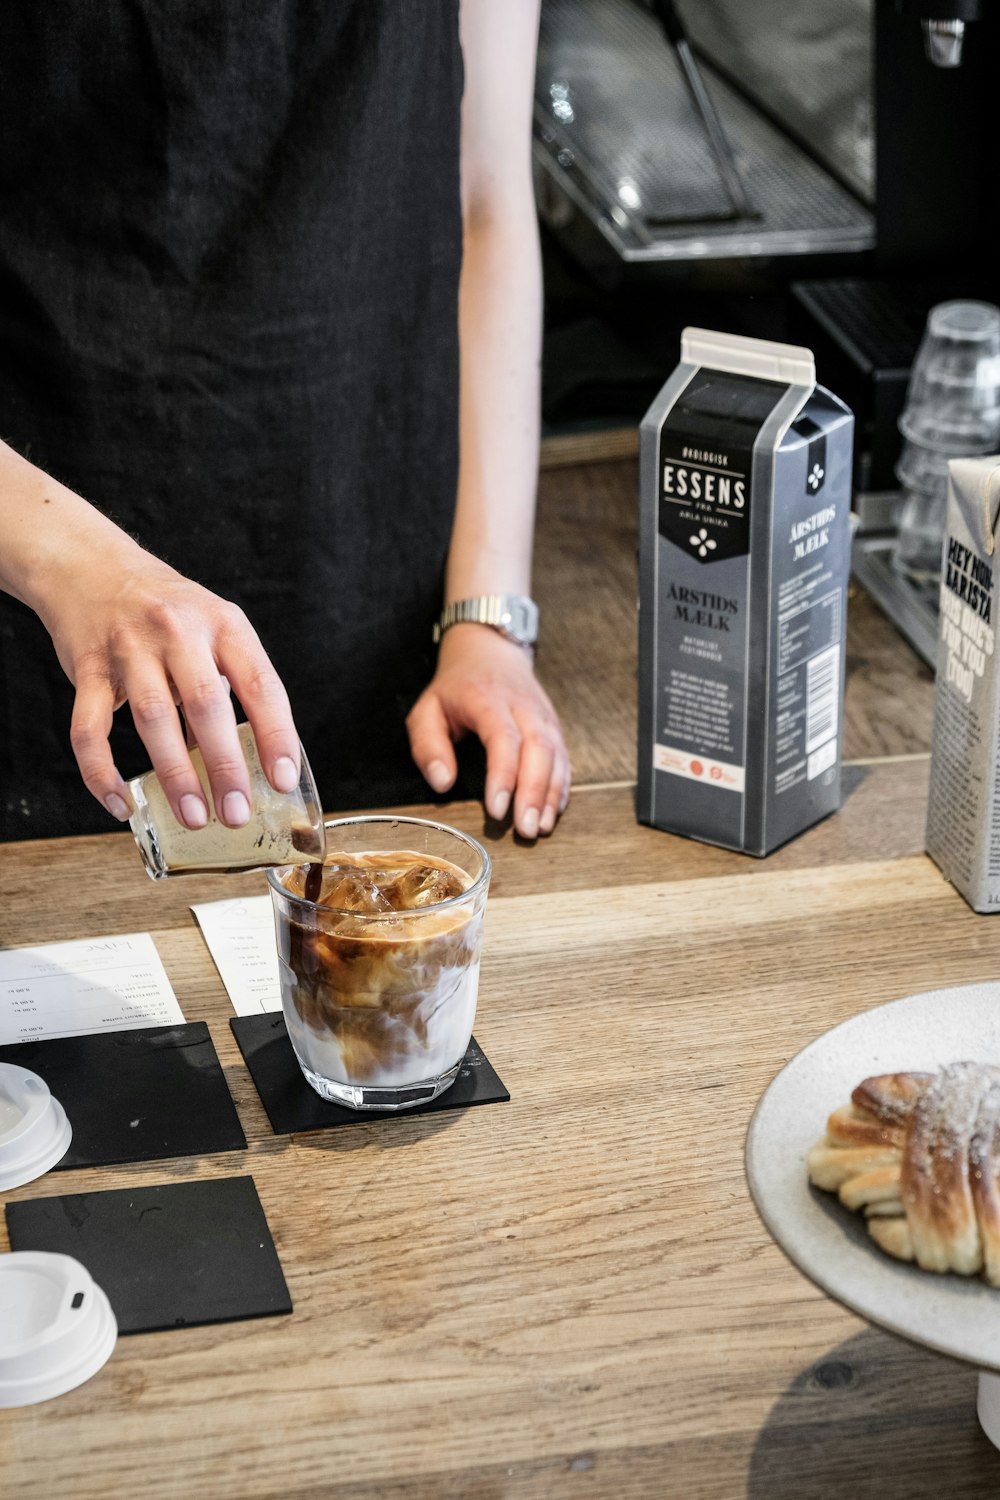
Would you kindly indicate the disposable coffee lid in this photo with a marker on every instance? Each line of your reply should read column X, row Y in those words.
column 34, row 1130
column 56, row 1326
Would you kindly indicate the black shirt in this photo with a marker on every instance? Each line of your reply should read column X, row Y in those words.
column 230, row 242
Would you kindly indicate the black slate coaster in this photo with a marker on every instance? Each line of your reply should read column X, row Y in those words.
column 136, row 1095
column 168, row 1256
column 292, row 1105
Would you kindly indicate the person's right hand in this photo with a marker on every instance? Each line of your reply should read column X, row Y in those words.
column 129, row 628
column 136, row 631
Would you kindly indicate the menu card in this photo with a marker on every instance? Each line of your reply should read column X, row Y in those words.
column 240, row 937
column 93, row 984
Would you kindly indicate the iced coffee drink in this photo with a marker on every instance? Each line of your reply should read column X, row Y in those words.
column 379, row 959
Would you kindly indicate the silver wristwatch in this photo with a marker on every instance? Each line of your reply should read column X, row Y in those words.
column 513, row 615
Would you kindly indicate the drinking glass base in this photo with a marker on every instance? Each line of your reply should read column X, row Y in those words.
column 362, row 1096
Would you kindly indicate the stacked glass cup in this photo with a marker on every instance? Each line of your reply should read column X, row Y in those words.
column 952, row 411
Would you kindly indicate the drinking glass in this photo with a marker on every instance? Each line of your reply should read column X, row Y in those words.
column 379, row 992
column 953, row 398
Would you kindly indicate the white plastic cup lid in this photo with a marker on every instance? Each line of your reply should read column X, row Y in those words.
column 34, row 1130
column 56, row 1326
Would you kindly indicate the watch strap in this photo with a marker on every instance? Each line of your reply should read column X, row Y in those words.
column 513, row 615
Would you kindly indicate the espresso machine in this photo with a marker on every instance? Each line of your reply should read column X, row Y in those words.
column 944, row 27
column 844, row 166
column 935, row 231
column 669, row 136
column 831, row 128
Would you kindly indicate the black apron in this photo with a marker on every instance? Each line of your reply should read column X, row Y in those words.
column 230, row 241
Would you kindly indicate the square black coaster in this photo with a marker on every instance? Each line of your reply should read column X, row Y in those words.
column 292, row 1105
column 136, row 1095
column 168, row 1256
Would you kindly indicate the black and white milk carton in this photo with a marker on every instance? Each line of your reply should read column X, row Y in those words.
column 963, row 811
column 743, row 572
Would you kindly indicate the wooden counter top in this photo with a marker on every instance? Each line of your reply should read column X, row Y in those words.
column 569, row 1295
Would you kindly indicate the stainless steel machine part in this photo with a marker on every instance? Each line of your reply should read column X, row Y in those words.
column 626, row 174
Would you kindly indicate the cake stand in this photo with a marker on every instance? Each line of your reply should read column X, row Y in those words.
column 955, row 1315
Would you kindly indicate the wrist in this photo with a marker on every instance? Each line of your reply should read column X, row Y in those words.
column 512, row 616
column 470, row 639
column 82, row 552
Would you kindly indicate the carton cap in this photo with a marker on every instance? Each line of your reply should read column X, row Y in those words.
column 791, row 364
column 982, row 474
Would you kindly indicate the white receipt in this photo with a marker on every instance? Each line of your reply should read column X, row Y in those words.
column 93, row 984
column 240, row 937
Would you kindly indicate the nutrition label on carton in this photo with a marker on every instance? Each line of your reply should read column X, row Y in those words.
column 806, row 626
column 808, row 686
column 961, row 791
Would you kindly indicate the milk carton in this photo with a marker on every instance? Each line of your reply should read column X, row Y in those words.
column 963, row 818
column 744, row 563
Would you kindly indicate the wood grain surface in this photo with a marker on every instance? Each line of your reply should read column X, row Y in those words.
column 569, row 1295
column 586, row 583
column 570, row 449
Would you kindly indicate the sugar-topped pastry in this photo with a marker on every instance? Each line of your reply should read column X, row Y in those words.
column 917, row 1153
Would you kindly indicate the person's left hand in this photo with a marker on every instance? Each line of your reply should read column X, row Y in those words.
column 487, row 685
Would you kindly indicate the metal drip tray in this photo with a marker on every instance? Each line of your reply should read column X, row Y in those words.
column 624, row 170
column 912, row 607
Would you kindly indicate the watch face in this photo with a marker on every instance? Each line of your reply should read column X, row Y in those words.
column 520, row 621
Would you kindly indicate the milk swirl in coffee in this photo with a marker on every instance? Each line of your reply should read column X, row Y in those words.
column 380, row 973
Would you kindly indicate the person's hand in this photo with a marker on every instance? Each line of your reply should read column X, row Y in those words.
column 487, row 685
column 129, row 628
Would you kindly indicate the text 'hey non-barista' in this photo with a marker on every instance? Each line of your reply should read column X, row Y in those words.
column 966, row 616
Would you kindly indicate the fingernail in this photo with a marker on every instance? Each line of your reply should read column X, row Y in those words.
column 547, row 821
column 438, row 775
column 529, row 823
column 235, row 809
column 498, row 804
column 117, row 807
column 284, row 777
column 193, row 811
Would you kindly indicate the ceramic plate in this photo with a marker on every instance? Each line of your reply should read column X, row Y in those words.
column 956, row 1315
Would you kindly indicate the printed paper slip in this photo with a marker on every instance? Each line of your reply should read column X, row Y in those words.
column 240, row 937
column 93, row 984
